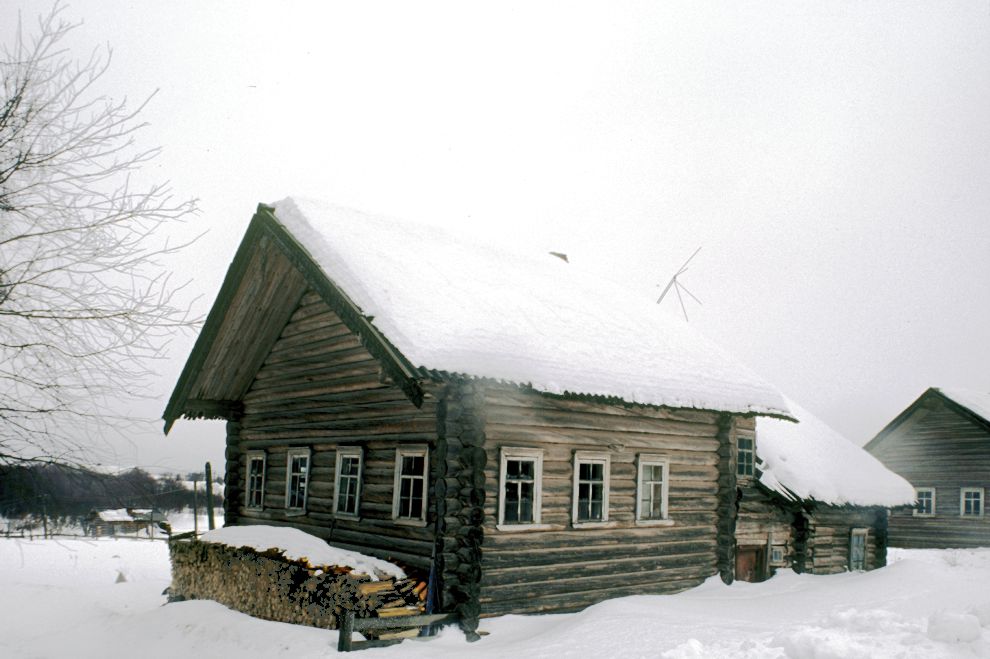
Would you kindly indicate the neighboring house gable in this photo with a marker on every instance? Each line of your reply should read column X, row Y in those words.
column 941, row 444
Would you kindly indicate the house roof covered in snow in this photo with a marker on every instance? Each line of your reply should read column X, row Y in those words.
column 435, row 302
column 811, row 461
column 115, row 515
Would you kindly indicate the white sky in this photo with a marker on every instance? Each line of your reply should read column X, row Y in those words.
column 832, row 159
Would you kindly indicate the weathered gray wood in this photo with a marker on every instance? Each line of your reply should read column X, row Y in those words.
column 941, row 446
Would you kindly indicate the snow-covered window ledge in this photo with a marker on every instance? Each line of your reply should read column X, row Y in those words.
column 655, row 522
column 595, row 525
column 523, row 528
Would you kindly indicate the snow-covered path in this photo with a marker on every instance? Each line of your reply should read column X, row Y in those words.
column 102, row 598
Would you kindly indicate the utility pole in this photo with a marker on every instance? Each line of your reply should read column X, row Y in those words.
column 195, row 505
column 209, row 496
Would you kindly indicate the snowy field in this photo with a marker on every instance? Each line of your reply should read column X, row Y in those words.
column 102, row 598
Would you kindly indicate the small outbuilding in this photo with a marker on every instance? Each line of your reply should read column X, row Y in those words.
column 809, row 499
column 941, row 444
column 112, row 522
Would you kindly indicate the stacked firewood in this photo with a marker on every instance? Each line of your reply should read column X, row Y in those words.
column 266, row 585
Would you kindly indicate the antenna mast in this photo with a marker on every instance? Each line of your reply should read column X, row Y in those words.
column 678, row 286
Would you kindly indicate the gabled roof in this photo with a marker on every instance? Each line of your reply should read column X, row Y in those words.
column 811, row 461
column 972, row 405
column 429, row 301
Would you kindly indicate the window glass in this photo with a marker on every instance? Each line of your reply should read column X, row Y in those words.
column 745, row 456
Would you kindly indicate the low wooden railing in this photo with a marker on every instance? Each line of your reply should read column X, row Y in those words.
column 411, row 625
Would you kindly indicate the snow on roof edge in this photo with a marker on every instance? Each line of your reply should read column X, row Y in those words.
column 810, row 461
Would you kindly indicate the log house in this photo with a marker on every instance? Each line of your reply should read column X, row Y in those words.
column 535, row 466
column 941, row 444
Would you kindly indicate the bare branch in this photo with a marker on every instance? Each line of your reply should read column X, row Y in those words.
column 85, row 305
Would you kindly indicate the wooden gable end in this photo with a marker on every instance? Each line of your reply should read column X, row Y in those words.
column 263, row 287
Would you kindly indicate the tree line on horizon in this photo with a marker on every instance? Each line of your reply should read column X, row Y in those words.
column 72, row 493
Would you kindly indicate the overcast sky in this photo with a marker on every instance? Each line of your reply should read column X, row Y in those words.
column 831, row 159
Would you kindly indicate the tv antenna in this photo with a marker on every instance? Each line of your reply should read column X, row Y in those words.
column 678, row 286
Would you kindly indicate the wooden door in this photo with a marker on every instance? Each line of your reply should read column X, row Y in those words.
column 751, row 563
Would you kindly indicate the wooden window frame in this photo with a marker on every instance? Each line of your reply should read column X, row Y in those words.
column 412, row 451
column 290, row 454
column 591, row 457
column 863, row 532
column 963, row 491
column 517, row 453
column 348, row 452
column 917, row 492
column 251, row 456
column 750, row 451
column 645, row 460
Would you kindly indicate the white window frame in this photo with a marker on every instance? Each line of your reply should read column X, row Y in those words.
column 251, row 457
column 591, row 457
column 536, row 456
column 865, row 534
column 348, row 452
column 963, row 491
column 646, row 460
column 751, row 451
column 411, row 451
column 778, row 554
column 917, row 492
column 290, row 454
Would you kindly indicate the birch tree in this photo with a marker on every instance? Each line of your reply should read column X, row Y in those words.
column 86, row 304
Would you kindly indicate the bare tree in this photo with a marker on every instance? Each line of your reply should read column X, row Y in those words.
column 86, row 303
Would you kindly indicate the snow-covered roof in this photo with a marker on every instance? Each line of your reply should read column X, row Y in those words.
column 115, row 515
column 977, row 402
column 808, row 460
column 451, row 304
column 297, row 545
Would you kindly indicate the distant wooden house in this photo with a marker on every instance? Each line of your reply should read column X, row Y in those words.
column 809, row 499
column 536, row 438
column 941, row 444
column 112, row 522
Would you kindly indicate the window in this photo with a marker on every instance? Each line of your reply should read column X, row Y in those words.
column 925, row 498
column 347, row 494
column 255, row 493
column 521, row 476
column 857, row 549
column 591, row 474
column 777, row 554
column 971, row 502
column 745, row 456
column 297, row 479
column 651, row 502
column 409, row 496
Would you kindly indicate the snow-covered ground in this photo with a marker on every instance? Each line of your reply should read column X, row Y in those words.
column 102, row 598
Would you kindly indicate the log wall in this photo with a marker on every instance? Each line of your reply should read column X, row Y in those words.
column 831, row 528
column 937, row 447
column 560, row 567
column 319, row 388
